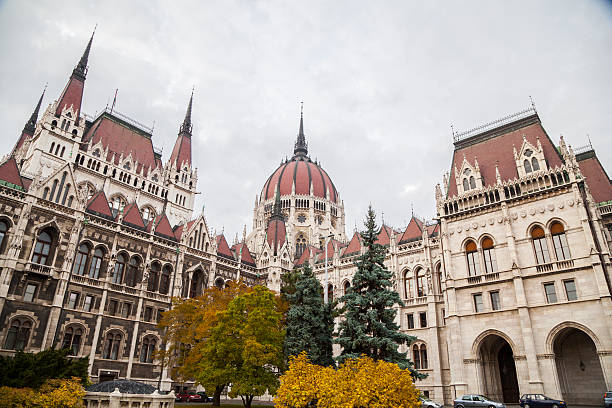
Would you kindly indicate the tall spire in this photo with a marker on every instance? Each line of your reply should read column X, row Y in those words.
column 276, row 210
column 31, row 124
column 301, row 147
column 186, row 127
column 80, row 71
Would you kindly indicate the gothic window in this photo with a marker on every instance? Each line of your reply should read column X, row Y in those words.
column 3, row 229
column 30, row 292
column 52, row 146
column 164, row 282
column 466, row 185
column 488, row 251
column 147, row 215
column 42, row 248
column 81, row 260
column 155, row 178
column 153, row 277
column 126, row 166
column 197, row 284
column 471, row 253
column 117, row 204
column 408, row 284
column 347, row 286
column 96, row 263
column 96, row 153
column 423, row 353
column 300, row 245
column 119, row 269
column 527, row 166
column 330, row 292
column 111, row 345
column 18, row 334
column 560, row 241
column 147, row 349
column 534, row 164
column 416, row 356
column 539, row 245
column 439, row 277
column 220, row 283
column 72, row 340
column 131, row 277
column 472, row 182
column 420, row 283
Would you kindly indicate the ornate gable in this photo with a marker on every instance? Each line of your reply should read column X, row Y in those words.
column 529, row 158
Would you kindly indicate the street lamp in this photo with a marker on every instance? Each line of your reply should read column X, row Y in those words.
column 326, row 287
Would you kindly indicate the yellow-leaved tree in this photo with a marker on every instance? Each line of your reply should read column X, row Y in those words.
column 357, row 383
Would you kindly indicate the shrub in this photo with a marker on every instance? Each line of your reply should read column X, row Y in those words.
column 55, row 393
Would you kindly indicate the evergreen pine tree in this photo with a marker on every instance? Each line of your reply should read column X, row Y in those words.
column 310, row 322
column 368, row 326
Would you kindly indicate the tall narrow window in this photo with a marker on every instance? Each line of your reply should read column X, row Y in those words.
column 540, row 245
column 416, row 355
column 42, row 248
column 164, row 281
column 570, row 289
column 472, row 182
column 410, row 320
column 424, row 362
column 18, row 334
column 330, row 292
column 153, row 282
column 96, row 263
column 147, row 350
column 534, row 164
column 495, row 301
column 119, row 269
column 466, row 185
column 3, row 229
column 126, row 310
column 421, row 283
column 423, row 319
column 478, row 305
column 551, row 293
column 81, row 260
column 347, row 286
column 88, row 303
column 73, row 300
column 131, row 277
column 527, row 166
column 488, row 252
column 72, row 340
column 111, row 346
column 408, row 284
column 30, row 292
column 471, row 252
column 560, row 241
column 300, row 245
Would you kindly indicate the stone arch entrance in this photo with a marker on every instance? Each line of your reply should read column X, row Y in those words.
column 497, row 369
column 581, row 378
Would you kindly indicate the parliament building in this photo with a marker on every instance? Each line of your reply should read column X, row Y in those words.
column 508, row 289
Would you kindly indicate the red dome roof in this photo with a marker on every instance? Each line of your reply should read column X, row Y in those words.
column 304, row 173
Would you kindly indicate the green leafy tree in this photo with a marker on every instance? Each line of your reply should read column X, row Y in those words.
column 245, row 347
column 369, row 326
column 310, row 322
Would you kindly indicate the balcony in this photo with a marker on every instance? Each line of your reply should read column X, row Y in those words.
column 85, row 280
column 39, row 269
column 555, row 266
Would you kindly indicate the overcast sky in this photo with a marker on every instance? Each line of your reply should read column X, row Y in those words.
column 381, row 81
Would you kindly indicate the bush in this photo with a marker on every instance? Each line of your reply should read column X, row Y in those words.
column 357, row 383
column 54, row 393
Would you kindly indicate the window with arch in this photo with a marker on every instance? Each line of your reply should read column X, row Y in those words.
column 147, row 214
column 42, row 248
column 534, row 164
column 197, row 284
column 527, row 166
column 72, row 340
column 112, row 343
column 153, row 277
column 96, row 263
column 466, row 184
column 164, row 281
column 330, row 292
column 18, row 334
column 488, row 252
column 419, row 354
column 421, row 283
column 439, row 278
column 219, row 283
column 131, row 277
column 347, row 286
column 300, row 245
column 408, row 285
column 560, row 241
column 81, row 260
column 147, row 349
column 539, row 245
column 3, row 230
column 119, row 269
column 472, row 182
column 471, row 252
column 117, row 205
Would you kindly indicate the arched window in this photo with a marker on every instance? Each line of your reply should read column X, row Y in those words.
column 197, row 284
column 164, row 282
column 439, row 277
column 220, row 283
column 488, row 251
column 153, row 277
column 147, row 215
column 81, row 260
column 466, row 185
column 540, row 246
column 527, row 166
column 45, row 193
column 300, row 245
column 119, row 269
column 131, row 277
column 3, row 230
column 471, row 252
column 420, row 283
column 72, row 340
column 52, row 146
column 147, row 349
column 423, row 352
column 112, row 344
column 472, row 182
column 534, row 164
column 408, row 285
column 18, row 334
column 347, row 286
column 117, row 204
column 330, row 292
column 96, row 263
column 560, row 241
column 416, row 356
column 42, row 248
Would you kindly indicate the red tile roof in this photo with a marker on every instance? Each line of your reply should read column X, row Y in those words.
column 276, row 234
column 496, row 146
column 71, row 96
column 413, row 231
column 354, row 245
column 98, row 205
column 163, row 227
column 181, row 154
column 384, row 236
column 596, row 177
column 245, row 255
column 433, row 229
column 132, row 216
column 9, row 172
column 308, row 252
column 120, row 138
column 222, row 248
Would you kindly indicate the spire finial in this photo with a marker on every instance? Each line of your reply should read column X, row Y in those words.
column 186, row 127
column 301, row 147
column 81, row 69
column 31, row 124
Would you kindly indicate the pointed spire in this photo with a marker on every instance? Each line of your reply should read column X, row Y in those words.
column 301, row 147
column 276, row 210
column 31, row 124
column 81, row 69
column 186, row 127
